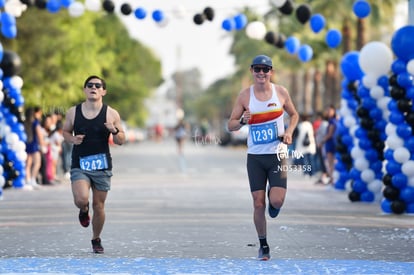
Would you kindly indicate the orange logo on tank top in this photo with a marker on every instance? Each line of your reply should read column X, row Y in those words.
column 265, row 116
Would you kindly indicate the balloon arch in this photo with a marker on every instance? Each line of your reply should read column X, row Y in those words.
column 375, row 148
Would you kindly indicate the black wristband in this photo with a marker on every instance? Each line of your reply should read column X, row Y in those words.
column 241, row 121
column 116, row 132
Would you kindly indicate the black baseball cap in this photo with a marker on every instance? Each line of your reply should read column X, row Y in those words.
column 262, row 60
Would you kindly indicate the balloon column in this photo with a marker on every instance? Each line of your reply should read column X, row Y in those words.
column 399, row 178
column 12, row 134
column 368, row 127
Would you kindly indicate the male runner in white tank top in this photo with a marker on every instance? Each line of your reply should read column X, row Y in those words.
column 262, row 107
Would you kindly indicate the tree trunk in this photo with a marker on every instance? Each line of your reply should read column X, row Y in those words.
column 361, row 31
column 346, row 36
column 317, row 99
column 307, row 96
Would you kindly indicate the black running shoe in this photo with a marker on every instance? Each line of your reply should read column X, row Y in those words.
column 273, row 212
column 84, row 217
column 264, row 253
column 96, row 246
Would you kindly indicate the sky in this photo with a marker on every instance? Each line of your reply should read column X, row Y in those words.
column 183, row 45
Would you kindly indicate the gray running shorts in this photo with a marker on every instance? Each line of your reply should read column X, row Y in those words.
column 101, row 180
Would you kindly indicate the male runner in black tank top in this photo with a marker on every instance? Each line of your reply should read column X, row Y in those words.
column 88, row 126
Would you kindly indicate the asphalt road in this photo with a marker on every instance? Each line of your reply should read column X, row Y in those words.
column 193, row 215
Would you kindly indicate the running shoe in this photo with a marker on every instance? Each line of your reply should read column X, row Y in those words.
column 273, row 212
column 264, row 253
column 97, row 246
column 84, row 217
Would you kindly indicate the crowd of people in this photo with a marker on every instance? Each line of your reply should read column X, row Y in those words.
column 315, row 139
column 48, row 155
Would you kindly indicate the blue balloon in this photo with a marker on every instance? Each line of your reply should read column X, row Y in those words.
column 393, row 167
column 157, row 15
column 386, row 206
column 410, row 93
column 368, row 103
column 407, row 194
column 317, row 22
column 66, row 3
column 371, row 155
column 398, row 66
column 383, row 82
column 376, row 166
column 404, row 79
column 240, row 21
column 409, row 144
column 402, row 43
column 350, row 66
column 359, row 186
column 333, row 38
column 375, row 113
column 389, row 154
column 396, row 117
column 53, row 6
column 9, row 31
column 1, row 56
column 228, row 24
column 404, row 130
column 140, row 13
column 399, row 180
column 7, row 19
column 367, row 196
column 410, row 208
column 361, row 133
column 292, row 45
column 361, row 8
column 305, row 53
column 354, row 174
column 2, row 3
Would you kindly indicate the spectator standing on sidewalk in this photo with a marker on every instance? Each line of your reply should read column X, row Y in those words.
column 262, row 107
column 88, row 126
column 305, row 144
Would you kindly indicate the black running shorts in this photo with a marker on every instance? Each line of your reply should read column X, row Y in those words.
column 266, row 168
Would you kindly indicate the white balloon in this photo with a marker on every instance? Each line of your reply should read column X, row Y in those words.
column 256, row 30
column 12, row 138
column 375, row 186
column 376, row 58
column 180, row 11
column 369, row 80
column 361, row 164
column 76, row 9
column 348, row 185
column 279, row 3
column 408, row 168
column 2, row 181
column 1, row 96
column 410, row 66
column 411, row 181
column 357, row 153
column 377, row 92
column 390, row 129
column 368, row 175
column 394, row 141
column 1, row 85
column 16, row 81
column 93, row 5
column 349, row 121
column 401, row 155
column 383, row 103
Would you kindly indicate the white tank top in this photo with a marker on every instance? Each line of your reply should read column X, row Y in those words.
column 266, row 124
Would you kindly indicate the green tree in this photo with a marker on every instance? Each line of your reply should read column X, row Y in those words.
column 58, row 52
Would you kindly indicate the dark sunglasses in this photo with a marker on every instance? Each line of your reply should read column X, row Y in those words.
column 263, row 69
column 91, row 84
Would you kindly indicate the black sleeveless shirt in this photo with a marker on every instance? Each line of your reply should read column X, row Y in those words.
column 96, row 136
